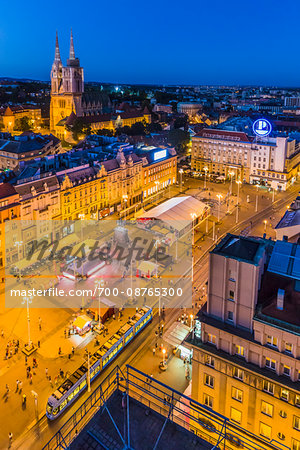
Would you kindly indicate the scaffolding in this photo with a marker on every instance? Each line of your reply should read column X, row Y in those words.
column 213, row 430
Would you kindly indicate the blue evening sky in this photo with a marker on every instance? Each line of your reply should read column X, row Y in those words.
column 158, row 41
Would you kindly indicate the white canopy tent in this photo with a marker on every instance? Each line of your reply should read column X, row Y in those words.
column 177, row 211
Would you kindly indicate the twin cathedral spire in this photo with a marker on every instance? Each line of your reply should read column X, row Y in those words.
column 66, row 79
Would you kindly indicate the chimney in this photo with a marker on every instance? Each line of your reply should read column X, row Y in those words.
column 280, row 299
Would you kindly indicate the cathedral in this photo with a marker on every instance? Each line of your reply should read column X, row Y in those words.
column 68, row 99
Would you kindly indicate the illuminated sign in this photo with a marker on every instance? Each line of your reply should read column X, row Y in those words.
column 262, row 127
column 159, row 155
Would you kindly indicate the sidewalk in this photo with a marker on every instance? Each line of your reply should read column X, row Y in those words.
column 47, row 358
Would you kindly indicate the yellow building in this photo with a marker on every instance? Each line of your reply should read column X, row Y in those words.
column 9, row 210
column 159, row 170
column 10, row 117
column 69, row 101
column 246, row 343
column 83, row 193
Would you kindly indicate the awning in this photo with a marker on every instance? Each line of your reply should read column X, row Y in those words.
column 81, row 322
column 176, row 334
column 147, row 266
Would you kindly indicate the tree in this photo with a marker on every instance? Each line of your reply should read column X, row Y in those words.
column 23, row 124
column 154, row 126
column 105, row 132
column 179, row 139
column 137, row 128
column 79, row 127
column 180, row 122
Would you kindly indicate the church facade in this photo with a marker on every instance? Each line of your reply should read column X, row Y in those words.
column 67, row 93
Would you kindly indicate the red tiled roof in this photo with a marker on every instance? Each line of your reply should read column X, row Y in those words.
column 7, row 190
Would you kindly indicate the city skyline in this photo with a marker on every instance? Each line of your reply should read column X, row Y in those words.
column 233, row 45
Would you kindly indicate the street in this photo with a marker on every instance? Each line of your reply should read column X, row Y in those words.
column 50, row 329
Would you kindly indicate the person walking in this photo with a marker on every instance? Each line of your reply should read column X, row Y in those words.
column 73, row 350
column 153, row 350
column 20, row 386
column 46, row 372
column 40, row 324
column 10, row 438
column 17, row 385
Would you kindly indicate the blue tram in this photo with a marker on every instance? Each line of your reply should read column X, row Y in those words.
column 76, row 383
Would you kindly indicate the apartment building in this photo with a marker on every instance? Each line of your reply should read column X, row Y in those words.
column 246, row 343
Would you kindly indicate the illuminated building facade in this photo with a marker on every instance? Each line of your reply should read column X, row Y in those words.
column 270, row 161
column 10, row 117
column 67, row 93
column 246, row 344
column 15, row 151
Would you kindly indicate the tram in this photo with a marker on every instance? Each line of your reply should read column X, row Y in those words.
column 75, row 384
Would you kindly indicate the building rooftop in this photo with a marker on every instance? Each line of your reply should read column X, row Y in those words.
column 144, row 430
column 290, row 219
column 242, row 248
column 285, row 260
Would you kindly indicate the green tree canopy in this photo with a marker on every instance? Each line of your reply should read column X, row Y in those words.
column 23, row 124
column 179, row 139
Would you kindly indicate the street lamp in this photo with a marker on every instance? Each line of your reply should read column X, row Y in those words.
column 205, row 170
column 181, row 172
column 265, row 226
column 125, row 198
column 231, row 178
column 191, row 317
column 219, row 196
column 28, row 300
column 19, row 244
column 237, row 201
column 193, row 216
column 163, row 352
column 256, row 200
column 99, row 284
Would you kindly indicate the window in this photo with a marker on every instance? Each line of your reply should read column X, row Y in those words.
column 297, row 400
column 265, row 430
column 211, row 338
column 271, row 363
column 281, row 436
column 209, row 380
column 267, row 409
column 268, row 387
column 283, row 414
column 239, row 350
column 236, row 394
column 238, row 373
column 235, row 415
column 231, row 295
column 295, row 444
column 284, row 395
column 286, row 370
column 230, row 316
column 272, row 341
column 288, row 347
column 296, row 423
column 209, row 361
column 208, row 400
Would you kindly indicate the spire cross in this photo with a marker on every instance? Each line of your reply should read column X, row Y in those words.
column 57, row 52
column 72, row 52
